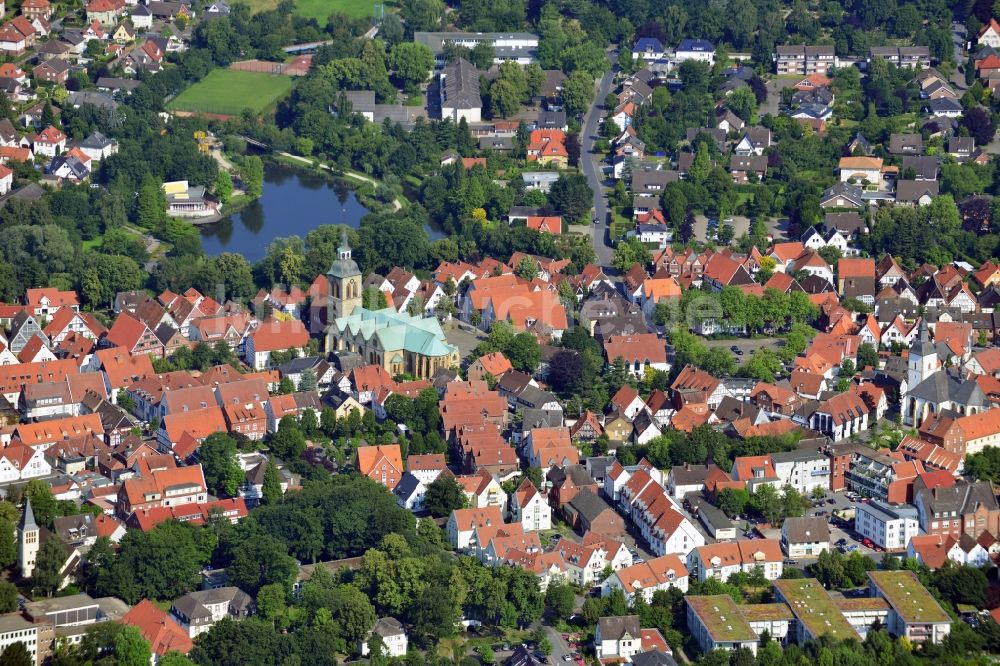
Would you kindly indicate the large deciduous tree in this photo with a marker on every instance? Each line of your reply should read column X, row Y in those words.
column 980, row 125
column 259, row 562
column 412, row 62
column 572, row 196
column 444, row 495
column 218, row 460
column 578, row 92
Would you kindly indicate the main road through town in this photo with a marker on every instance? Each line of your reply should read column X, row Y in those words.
column 592, row 167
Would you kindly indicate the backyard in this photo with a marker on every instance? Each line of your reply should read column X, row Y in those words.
column 228, row 92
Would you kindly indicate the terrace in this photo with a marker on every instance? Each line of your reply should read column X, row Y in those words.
column 767, row 612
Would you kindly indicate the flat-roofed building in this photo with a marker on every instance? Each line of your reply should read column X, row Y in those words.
column 519, row 47
column 815, row 612
column 774, row 618
column 863, row 612
column 890, row 526
column 76, row 609
column 914, row 612
column 15, row 629
column 716, row 623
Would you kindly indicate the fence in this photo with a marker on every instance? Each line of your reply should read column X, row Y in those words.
column 259, row 66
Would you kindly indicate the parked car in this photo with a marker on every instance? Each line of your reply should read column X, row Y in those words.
column 831, row 501
column 868, row 543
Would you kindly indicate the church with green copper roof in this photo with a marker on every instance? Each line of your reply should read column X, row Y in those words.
column 399, row 342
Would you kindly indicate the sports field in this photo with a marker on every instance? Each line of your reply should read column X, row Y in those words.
column 321, row 9
column 228, row 92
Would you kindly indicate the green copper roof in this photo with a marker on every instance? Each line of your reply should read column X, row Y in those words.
column 397, row 330
column 344, row 266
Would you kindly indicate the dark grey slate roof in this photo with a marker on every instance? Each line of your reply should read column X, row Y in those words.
column 407, row 486
column 925, row 168
column 653, row 658
column 522, row 656
column 461, row 85
column 613, row 628
column 388, row 626
column 945, row 386
column 806, row 529
column 589, row 505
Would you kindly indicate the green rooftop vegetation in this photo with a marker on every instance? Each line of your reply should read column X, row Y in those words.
column 905, row 593
column 723, row 618
column 766, row 612
column 814, row 608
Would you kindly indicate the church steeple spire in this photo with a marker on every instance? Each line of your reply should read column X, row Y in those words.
column 344, row 251
column 27, row 517
column 28, row 541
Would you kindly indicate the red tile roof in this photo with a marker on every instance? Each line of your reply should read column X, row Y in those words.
column 198, row 423
column 159, row 481
column 547, row 143
column 51, row 136
column 548, row 223
column 162, row 633
column 855, row 267
column 495, row 363
column 126, row 332
column 14, row 377
column 693, row 378
column 273, row 335
column 56, row 298
column 105, row 5
column 637, row 347
column 46, row 432
column 123, row 369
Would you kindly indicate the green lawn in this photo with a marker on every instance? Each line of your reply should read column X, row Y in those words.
column 321, row 9
column 227, row 91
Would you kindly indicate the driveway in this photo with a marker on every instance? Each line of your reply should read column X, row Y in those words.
column 774, row 87
column 700, row 230
column 592, row 165
column 559, row 647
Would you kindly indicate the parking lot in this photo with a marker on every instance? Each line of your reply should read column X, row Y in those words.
column 706, row 228
column 746, row 345
column 840, row 535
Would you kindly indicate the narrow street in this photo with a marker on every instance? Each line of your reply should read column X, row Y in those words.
column 591, row 165
column 559, row 647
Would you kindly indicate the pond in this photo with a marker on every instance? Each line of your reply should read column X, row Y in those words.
column 294, row 202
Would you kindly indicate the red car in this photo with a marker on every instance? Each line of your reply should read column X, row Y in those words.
column 868, row 543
